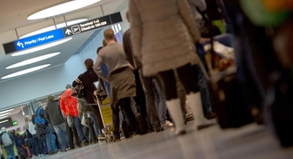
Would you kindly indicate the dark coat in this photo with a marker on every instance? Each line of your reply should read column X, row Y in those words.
column 53, row 113
column 88, row 78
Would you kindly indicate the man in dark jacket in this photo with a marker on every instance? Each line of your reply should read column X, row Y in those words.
column 55, row 118
column 88, row 79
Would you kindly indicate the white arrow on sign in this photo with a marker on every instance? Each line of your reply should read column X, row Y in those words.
column 19, row 44
column 68, row 32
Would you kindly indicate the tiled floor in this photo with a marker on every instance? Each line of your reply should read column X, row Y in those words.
column 249, row 142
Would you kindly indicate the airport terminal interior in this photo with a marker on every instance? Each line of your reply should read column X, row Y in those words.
column 148, row 79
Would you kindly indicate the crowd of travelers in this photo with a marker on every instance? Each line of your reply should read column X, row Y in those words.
column 156, row 79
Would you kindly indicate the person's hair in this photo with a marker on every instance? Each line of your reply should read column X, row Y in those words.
column 89, row 63
column 127, row 16
column 99, row 49
column 68, row 86
column 50, row 98
column 109, row 34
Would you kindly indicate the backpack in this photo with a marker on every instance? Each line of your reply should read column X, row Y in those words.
column 41, row 130
column 6, row 140
column 39, row 119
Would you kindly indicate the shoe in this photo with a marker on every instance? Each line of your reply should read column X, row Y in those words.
column 175, row 111
column 40, row 155
column 211, row 116
column 76, row 147
column 83, row 144
column 182, row 132
column 159, row 130
column 64, row 150
column 195, row 104
column 68, row 149
column 101, row 138
column 52, row 152
column 167, row 124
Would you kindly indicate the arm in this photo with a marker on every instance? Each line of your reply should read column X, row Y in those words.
column 186, row 15
column 136, row 28
column 200, row 4
column 47, row 117
column 77, row 81
column 127, row 47
column 98, row 67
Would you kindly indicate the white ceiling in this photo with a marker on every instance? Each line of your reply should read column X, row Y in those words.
column 13, row 14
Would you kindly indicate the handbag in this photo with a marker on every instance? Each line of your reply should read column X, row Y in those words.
column 78, row 91
column 69, row 120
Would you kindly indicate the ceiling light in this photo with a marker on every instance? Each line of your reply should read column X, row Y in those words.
column 33, row 69
column 5, row 111
column 33, row 60
column 3, row 117
column 62, row 25
column 42, row 47
column 4, row 114
column 61, row 9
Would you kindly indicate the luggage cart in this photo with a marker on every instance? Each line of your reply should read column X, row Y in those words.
column 106, row 115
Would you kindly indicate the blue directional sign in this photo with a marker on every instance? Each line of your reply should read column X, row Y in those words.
column 59, row 34
column 39, row 39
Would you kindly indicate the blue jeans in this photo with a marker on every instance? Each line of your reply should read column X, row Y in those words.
column 35, row 150
column 78, row 126
column 51, row 140
column 10, row 152
column 62, row 135
column 95, row 123
column 160, row 102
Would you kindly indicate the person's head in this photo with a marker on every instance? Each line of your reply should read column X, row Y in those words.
column 89, row 63
column 127, row 16
column 109, row 35
column 50, row 98
column 99, row 49
column 27, row 118
column 3, row 129
column 68, row 86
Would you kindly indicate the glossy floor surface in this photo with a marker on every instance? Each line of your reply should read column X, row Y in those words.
column 249, row 142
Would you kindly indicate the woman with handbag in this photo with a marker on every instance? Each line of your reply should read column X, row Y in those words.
column 164, row 34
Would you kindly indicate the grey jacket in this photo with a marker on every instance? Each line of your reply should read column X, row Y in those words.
column 53, row 113
column 163, row 34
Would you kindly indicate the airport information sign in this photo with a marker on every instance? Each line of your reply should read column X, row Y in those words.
column 58, row 34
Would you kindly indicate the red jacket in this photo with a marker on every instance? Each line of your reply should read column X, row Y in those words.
column 68, row 104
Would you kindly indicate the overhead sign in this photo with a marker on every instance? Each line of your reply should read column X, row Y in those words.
column 39, row 39
column 58, row 34
column 92, row 24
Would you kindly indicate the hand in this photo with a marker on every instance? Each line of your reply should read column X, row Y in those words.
column 108, row 79
column 203, row 40
column 95, row 93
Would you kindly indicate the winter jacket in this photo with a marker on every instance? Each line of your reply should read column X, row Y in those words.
column 163, row 34
column 53, row 113
column 68, row 104
column 87, row 79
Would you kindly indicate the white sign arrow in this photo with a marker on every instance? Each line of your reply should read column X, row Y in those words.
column 19, row 44
column 68, row 32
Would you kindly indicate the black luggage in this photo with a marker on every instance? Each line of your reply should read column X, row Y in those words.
column 278, row 107
column 142, row 124
column 231, row 109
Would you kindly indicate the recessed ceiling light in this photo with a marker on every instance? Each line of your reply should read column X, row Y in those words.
column 61, row 9
column 5, row 111
column 62, row 25
column 33, row 69
column 3, row 117
column 4, row 114
column 33, row 60
column 42, row 47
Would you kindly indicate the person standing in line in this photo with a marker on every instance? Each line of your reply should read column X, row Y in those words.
column 88, row 79
column 68, row 105
column 121, row 79
column 55, row 118
column 7, row 141
column 147, row 82
column 164, row 40
column 31, row 134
